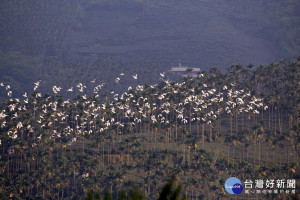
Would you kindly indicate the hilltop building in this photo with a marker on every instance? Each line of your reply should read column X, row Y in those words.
column 182, row 71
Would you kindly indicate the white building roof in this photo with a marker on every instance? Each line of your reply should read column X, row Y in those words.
column 183, row 69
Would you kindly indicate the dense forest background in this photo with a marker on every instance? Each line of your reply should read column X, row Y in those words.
column 243, row 123
column 77, row 41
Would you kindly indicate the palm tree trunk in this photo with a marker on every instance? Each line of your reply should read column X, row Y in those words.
column 203, row 136
column 230, row 125
column 275, row 127
column 233, row 154
column 254, row 148
column 197, row 127
column 210, row 133
column 236, row 124
column 103, row 158
column 190, row 120
column 262, row 115
column 183, row 148
column 228, row 154
column 242, row 120
column 269, row 120
column 259, row 151
column 82, row 144
column 154, row 139
column 218, row 128
column 279, row 121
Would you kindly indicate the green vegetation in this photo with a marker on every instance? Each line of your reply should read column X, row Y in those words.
column 167, row 193
column 242, row 123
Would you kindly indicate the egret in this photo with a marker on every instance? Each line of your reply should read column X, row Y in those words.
column 81, row 89
column 36, row 85
column 70, row 90
column 9, row 93
column 56, row 89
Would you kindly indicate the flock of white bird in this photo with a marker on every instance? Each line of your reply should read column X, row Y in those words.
column 163, row 104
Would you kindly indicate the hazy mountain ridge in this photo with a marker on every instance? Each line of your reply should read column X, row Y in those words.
column 130, row 36
column 202, row 33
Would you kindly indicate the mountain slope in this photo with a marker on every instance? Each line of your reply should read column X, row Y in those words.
column 199, row 33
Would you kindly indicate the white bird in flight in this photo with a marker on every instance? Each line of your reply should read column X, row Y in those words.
column 135, row 76
column 36, row 85
column 81, row 89
column 9, row 93
column 56, row 89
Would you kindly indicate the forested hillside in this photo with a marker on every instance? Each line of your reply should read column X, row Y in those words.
column 243, row 123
